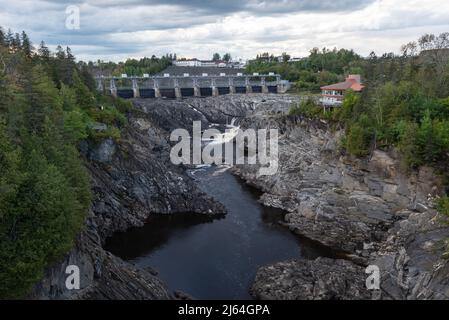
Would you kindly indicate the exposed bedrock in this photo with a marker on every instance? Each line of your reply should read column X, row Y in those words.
column 131, row 179
column 323, row 278
column 369, row 209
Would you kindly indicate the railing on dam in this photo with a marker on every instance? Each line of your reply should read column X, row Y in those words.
column 196, row 86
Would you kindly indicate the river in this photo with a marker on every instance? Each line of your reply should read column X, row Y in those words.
column 213, row 258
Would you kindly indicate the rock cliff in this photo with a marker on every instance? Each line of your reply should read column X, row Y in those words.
column 131, row 179
column 369, row 211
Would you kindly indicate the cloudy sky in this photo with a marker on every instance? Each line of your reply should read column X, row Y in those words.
column 118, row 29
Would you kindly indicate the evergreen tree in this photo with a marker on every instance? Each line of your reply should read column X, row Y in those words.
column 44, row 187
column 68, row 67
column 43, row 97
column 9, row 38
column 60, row 53
column 2, row 37
column 84, row 98
column 87, row 77
column 26, row 45
column 16, row 42
column 227, row 57
column 44, row 52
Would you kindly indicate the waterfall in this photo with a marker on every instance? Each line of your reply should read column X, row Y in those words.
column 232, row 125
column 229, row 134
column 225, row 137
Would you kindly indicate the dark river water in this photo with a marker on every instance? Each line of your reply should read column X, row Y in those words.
column 213, row 258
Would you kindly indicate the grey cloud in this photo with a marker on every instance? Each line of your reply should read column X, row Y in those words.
column 115, row 27
column 264, row 7
column 271, row 6
column 103, row 17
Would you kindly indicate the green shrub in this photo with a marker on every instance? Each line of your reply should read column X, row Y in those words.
column 443, row 205
column 75, row 125
column 345, row 113
column 110, row 132
column 357, row 140
column 306, row 108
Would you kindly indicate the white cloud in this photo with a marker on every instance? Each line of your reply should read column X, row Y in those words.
column 118, row 29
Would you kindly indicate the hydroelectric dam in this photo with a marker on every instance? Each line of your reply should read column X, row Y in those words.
column 187, row 85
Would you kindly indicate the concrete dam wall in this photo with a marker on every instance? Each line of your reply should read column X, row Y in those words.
column 179, row 86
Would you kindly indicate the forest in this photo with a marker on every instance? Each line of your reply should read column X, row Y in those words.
column 48, row 105
column 405, row 106
column 321, row 67
column 131, row 67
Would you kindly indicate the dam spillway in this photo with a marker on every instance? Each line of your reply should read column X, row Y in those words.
column 186, row 85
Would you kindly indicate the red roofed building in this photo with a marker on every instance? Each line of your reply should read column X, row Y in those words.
column 333, row 94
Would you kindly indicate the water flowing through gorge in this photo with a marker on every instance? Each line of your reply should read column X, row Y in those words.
column 213, row 259
column 351, row 206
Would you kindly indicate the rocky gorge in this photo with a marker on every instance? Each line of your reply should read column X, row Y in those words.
column 368, row 211
column 131, row 180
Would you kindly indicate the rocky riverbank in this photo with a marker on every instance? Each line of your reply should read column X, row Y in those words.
column 131, row 179
column 367, row 210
